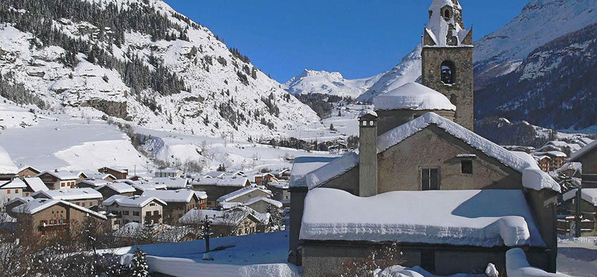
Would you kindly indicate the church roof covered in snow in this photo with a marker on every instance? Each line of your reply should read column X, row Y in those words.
column 413, row 96
column 303, row 166
column 485, row 218
column 7, row 166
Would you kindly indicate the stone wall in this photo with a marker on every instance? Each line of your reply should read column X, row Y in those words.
column 400, row 166
column 461, row 92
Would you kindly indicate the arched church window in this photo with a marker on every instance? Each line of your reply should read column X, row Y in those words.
column 447, row 14
column 448, row 72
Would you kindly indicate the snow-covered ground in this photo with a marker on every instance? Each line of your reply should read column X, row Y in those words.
column 577, row 256
column 346, row 124
column 252, row 255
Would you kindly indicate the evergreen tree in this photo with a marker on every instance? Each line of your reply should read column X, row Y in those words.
column 140, row 264
column 275, row 220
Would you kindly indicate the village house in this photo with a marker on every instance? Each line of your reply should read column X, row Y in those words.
column 239, row 221
column 140, row 187
column 587, row 156
column 15, row 203
column 84, row 197
column 48, row 217
column 260, row 179
column 28, row 171
column 178, row 202
column 280, row 191
column 34, row 184
column 169, row 173
column 422, row 181
column 10, row 186
column 218, row 187
column 10, row 190
column 57, row 180
column 588, row 209
column 245, row 194
column 556, row 159
column 119, row 173
column 140, row 209
column 257, row 198
column 94, row 175
column 263, row 204
column 545, row 163
column 111, row 189
column 215, row 174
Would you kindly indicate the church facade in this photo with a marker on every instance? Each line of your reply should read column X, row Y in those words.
column 419, row 144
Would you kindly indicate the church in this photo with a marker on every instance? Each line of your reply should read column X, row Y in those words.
column 422, row 183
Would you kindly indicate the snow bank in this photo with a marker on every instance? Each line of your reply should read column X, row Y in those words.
column 333, row 169
column 417, row 271
column 588, row 194
column 535, row 179
column 518, row 266
column 413, row 96
column 484, row 218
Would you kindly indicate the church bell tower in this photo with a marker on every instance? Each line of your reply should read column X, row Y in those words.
column 447, row 58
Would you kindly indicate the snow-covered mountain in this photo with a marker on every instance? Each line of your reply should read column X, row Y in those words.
column 408, row 70
column 141, row 61
column 540, row 22
column 553, row 87
column 329, row 83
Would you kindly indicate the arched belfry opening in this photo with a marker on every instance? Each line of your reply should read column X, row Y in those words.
column 447, row 14
column 448, row 70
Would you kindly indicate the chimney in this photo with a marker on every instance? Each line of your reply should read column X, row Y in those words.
column 368, row 154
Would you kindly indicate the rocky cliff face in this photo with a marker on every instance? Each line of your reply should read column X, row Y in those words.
column 140, row 61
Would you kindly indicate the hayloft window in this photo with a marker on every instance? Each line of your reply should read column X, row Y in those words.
column 467, row 166
column 430, row 179
column 448, row 72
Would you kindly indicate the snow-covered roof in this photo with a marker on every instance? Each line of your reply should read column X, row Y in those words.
column 131, row 201
column 29, row 167
column 237, row 193
column 413, row 96
column 332, row 170
column 170, row 182
column 121, row 187
column 16, row 183
column 35, row 184
column 264, row 199
column 588, row 194
column 94, row 182
column 484, row 218
column 368, row 112
column 227, row 217
column 7, row 166
column 148, row 186
column 21, row 200
column 223, row 181
column 512, row 160
column 41, row 204
column 280, row 185
column 214, row 174
column 62, row 175
column 551, row 154
column 438, row 27
column 304, row 165
column 578, row 155
column 180, row 195
column 114, row 168
column 69, row 194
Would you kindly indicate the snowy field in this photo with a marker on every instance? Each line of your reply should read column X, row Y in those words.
column 346, row 124
column 65, row 142
column 577, row 256
column 252, row 255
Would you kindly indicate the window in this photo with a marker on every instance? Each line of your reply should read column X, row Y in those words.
column 430, row 179
column 90, row 204
column 156, row 213
column 467, row 166
column 448, row 70
column 125, row 212
column 135, row 213
column 16, row 191
column 8, row 192
column 83, row 204
column 152, row 204
column 77, row 203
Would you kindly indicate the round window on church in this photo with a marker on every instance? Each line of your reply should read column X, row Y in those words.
column 448, row 71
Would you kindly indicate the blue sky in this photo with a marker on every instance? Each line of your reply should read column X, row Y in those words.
column 359, row 38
